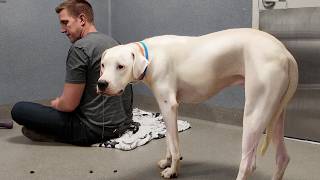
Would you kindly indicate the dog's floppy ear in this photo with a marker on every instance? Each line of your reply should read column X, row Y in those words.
column 140, row 63
column 103, row 54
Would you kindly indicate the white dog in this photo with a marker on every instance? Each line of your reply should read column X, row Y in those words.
column 191, row 69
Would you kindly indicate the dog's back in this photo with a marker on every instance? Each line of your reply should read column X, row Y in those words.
column 218, row 58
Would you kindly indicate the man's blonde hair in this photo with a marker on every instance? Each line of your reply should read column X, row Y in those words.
column 76, row 7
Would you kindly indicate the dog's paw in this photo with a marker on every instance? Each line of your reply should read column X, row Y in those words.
column 164, row 163
column 169, row 173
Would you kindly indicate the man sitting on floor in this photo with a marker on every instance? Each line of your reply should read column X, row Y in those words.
column 79, row 116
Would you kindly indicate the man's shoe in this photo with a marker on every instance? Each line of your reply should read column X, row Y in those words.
column 7, row 123
column 35, row 136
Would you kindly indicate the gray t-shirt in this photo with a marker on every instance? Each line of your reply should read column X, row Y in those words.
column 83, row 66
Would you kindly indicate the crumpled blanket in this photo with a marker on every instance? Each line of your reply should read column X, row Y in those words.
column 151, row 127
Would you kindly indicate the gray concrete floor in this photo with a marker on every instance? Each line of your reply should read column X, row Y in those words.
column 210, row 151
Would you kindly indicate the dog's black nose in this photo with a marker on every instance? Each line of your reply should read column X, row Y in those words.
column 102, row 85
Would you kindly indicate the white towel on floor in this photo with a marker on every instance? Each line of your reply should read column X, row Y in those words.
column 151, row 127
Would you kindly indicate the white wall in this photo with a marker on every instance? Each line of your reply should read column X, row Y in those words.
column 32, row 49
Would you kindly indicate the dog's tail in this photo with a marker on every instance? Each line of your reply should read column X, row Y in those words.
column 292, row 86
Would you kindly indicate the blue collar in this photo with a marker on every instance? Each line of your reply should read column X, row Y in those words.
column 145, row 49
column 146, row 53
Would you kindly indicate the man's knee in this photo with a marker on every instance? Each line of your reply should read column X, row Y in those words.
column 18, row 112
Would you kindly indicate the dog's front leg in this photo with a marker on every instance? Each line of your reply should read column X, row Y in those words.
column 169, row 109
column 164, row 163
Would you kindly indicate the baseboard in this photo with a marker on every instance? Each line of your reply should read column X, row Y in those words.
column 5, row 109
column 202, row 111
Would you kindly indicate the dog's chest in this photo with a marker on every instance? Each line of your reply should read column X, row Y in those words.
column 195, row 92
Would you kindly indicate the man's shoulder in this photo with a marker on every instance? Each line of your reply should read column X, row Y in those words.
column 95, row 39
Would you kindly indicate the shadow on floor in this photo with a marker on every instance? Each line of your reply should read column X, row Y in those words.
column 25, row 141
column 190, row 171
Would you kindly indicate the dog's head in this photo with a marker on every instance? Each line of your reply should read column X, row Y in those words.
column 119, row 66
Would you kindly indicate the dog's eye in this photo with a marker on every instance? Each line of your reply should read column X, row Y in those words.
column 102, row 65
column 120, row 67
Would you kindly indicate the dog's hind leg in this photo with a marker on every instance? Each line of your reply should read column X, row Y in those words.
column 253, row 126
column 282, row 157
column 263, row 97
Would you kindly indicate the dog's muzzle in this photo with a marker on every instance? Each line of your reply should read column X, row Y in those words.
column 102, row 85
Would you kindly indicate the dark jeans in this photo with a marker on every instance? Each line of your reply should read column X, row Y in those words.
column 64, row 126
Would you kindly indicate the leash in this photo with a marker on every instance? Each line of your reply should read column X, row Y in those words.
column 144, row 50
column 102, row 135
column 132, row 126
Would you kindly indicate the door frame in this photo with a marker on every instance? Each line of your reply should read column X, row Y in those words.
column 257, row 6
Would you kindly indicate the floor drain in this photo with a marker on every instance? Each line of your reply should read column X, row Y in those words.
column 31, row 172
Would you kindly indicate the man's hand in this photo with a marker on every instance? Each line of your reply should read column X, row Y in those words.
column 54, row 103
column 69, row 99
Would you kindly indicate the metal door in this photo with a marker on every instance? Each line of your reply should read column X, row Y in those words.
column 297, row 24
